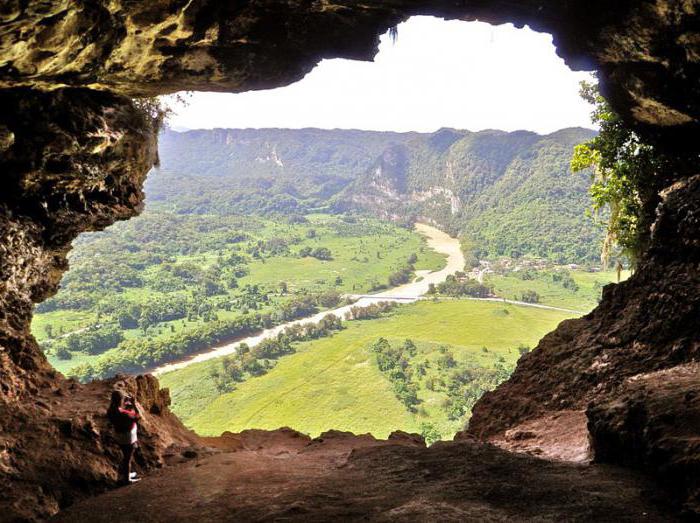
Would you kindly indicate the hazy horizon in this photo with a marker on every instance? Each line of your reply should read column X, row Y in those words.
column 185, row 130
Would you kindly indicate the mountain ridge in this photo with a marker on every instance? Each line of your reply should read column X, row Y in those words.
column 511, row 193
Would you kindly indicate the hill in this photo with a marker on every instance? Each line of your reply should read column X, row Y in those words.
column 510, row 193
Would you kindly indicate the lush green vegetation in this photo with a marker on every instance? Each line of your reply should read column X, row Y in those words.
column 459, row 284
column 261, row 171
column 336, row 382
column 248, row 363
column 626, row 178
column 578, row 290
column 175, row 284
column 245, row 230
column 511, row 193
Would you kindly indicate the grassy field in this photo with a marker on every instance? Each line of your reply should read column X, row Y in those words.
column 590, row 285
column 61, row 322
column 361, row 261
column 364, row 253
column 335, row 382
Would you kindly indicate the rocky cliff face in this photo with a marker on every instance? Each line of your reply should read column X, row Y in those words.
column 59, row 447
column 486, row 186
column 73, row 160
column 652, row 423
column 74, row 152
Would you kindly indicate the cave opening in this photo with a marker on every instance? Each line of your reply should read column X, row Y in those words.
column 75, row 153
column 255, row 231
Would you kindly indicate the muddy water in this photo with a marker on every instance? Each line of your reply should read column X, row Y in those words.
column 437, row 240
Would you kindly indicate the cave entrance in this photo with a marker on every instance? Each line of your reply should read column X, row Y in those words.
column 295, row 213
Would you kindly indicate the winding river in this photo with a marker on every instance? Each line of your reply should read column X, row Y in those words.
column 436, row 239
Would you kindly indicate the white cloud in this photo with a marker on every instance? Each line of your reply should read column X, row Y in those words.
column 467, row 75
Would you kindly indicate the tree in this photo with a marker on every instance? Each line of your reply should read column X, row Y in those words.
column 329, row 298
column 409, row 347
column 48, row 329
column 625, row 177
column 446, row 361
column 381, row 345
column 211, row 287
column 322, row 253
column 62, row 353
column 530, row 296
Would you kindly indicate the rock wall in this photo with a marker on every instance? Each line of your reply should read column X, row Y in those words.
column 73, row 160
column 646, row 326
column 653, row 423
column 74, row 152
column 59, row 447
column 647, row 323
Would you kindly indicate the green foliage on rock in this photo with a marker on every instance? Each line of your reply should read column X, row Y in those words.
column 626, row 171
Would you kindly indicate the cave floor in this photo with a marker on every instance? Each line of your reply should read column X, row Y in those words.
column 284, row 476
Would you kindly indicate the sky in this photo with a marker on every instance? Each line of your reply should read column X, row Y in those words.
column 465, row 75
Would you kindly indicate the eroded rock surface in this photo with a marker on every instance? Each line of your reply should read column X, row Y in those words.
column 340, row 477
column 653, row 424
column 649, row 323
column 59, row 447
column 73, row 160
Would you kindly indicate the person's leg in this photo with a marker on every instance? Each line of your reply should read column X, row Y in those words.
column 125, row 465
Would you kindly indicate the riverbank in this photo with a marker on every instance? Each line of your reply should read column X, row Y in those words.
column 436, row 239
column 336, row 382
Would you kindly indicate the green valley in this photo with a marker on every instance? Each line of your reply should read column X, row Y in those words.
column 578, row 290
column 161, row 277
column 247, row 234
column 513, row 194
column 335, row 382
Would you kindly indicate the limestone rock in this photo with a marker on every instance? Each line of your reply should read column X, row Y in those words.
column 74, row 151
column 76, row 161
column 653, row 424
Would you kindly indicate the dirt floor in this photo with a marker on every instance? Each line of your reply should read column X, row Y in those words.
column 284, row 476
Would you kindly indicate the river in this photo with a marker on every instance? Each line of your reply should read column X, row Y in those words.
column 406, row 293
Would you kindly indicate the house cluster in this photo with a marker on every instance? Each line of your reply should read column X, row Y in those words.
column 506, row 265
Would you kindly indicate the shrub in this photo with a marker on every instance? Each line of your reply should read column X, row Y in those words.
column 530, row 296
column 62, row 353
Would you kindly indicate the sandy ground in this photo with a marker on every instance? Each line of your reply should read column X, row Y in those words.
column 437, row 240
